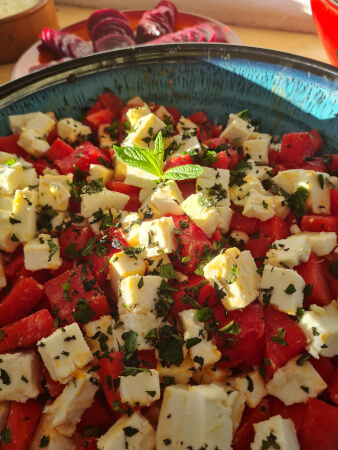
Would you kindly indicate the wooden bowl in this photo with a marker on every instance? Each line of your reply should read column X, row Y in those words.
column 19, row 31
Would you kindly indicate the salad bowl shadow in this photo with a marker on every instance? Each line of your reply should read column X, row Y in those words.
column 284, row 92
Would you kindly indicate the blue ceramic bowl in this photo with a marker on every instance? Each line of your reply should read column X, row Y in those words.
column 288, row 93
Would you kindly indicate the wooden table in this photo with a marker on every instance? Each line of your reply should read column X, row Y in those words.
column 301, row 44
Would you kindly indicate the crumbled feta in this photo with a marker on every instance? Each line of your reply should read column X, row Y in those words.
column 64, row 352
column 117, row 437
column 234, row 273
column 42, row 252
column 289, row 252
column 321, row 328
column 274, row 432
column 141, row 389
column 158, row 236
column 67, row 409
column 282, row 288
column 294, row 383
column 20, row 376
column 138, row 294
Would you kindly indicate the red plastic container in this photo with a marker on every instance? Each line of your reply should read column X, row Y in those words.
column 325, row 15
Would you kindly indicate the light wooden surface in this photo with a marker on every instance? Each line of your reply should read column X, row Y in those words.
column 301, row 44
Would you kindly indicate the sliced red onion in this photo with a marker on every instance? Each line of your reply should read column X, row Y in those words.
column 112, row 41
column 103, row 14
column 111, row 26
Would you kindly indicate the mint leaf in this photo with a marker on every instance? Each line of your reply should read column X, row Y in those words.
column 139, row 158
column 183, row 172
column 159, row 149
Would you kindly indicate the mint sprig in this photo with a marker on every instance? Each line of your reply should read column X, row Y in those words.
column 151, row 161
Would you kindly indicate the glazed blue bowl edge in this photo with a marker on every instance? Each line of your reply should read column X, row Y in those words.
column 285, row 92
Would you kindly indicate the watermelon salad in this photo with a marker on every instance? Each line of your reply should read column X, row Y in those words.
column 166, row 283
column 110, row 29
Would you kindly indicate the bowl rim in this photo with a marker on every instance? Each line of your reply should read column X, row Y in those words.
column 25, row 12
column 69, row 71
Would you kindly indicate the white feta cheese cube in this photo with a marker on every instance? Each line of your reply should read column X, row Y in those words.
column 64, row 352
column 185, row 124
column 6, row 202
column 4, row 411
column 56, row 440
column 7, row 244
column 19, row 121
column 163, row 114
column 321, row 328
column 41, row 123
column 204, row 353
column 321, row 243
column 235, row 274
column 181, row 374
column 131, row 227
column 145, row 132
column 282, row 288
column 67, row 409
column 10, row 178
column 237, row 129
column 142, row 389
column 238, row 194
column 42, row 252
column 29, row 178
column 145, row 194
column 136, row 101
column 122, row 265
column 214, row 190
column 149, row 211
column 225, row 215
column 289, row 252
column 135, row 114
column 168, row 199
column 140, row 178
column 264, row 136
column 258, row 170
column 20, row 376
column 294, row 383
column 24, row 214
column 139, row 294
column 158, row 236
column 201, row 210
column 154, row 263
column 275, row 431
column 99, row 221
column 183, row 143
column 120, row 169
column 195, row 417
column 280, row 206
column 257, row 149
column 140, row 324
column 71, row 130
column 55, row 191
column 117, row 437
column 251, row 385
column 33, row 143
column 104, row 199
column 316, row 183
column 99, row 335
column 259, row 206
column 97, row 171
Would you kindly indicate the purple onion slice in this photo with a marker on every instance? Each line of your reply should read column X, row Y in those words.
column 112, row 41
column 111, row 26
column 102, row 14
column 77, row 49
